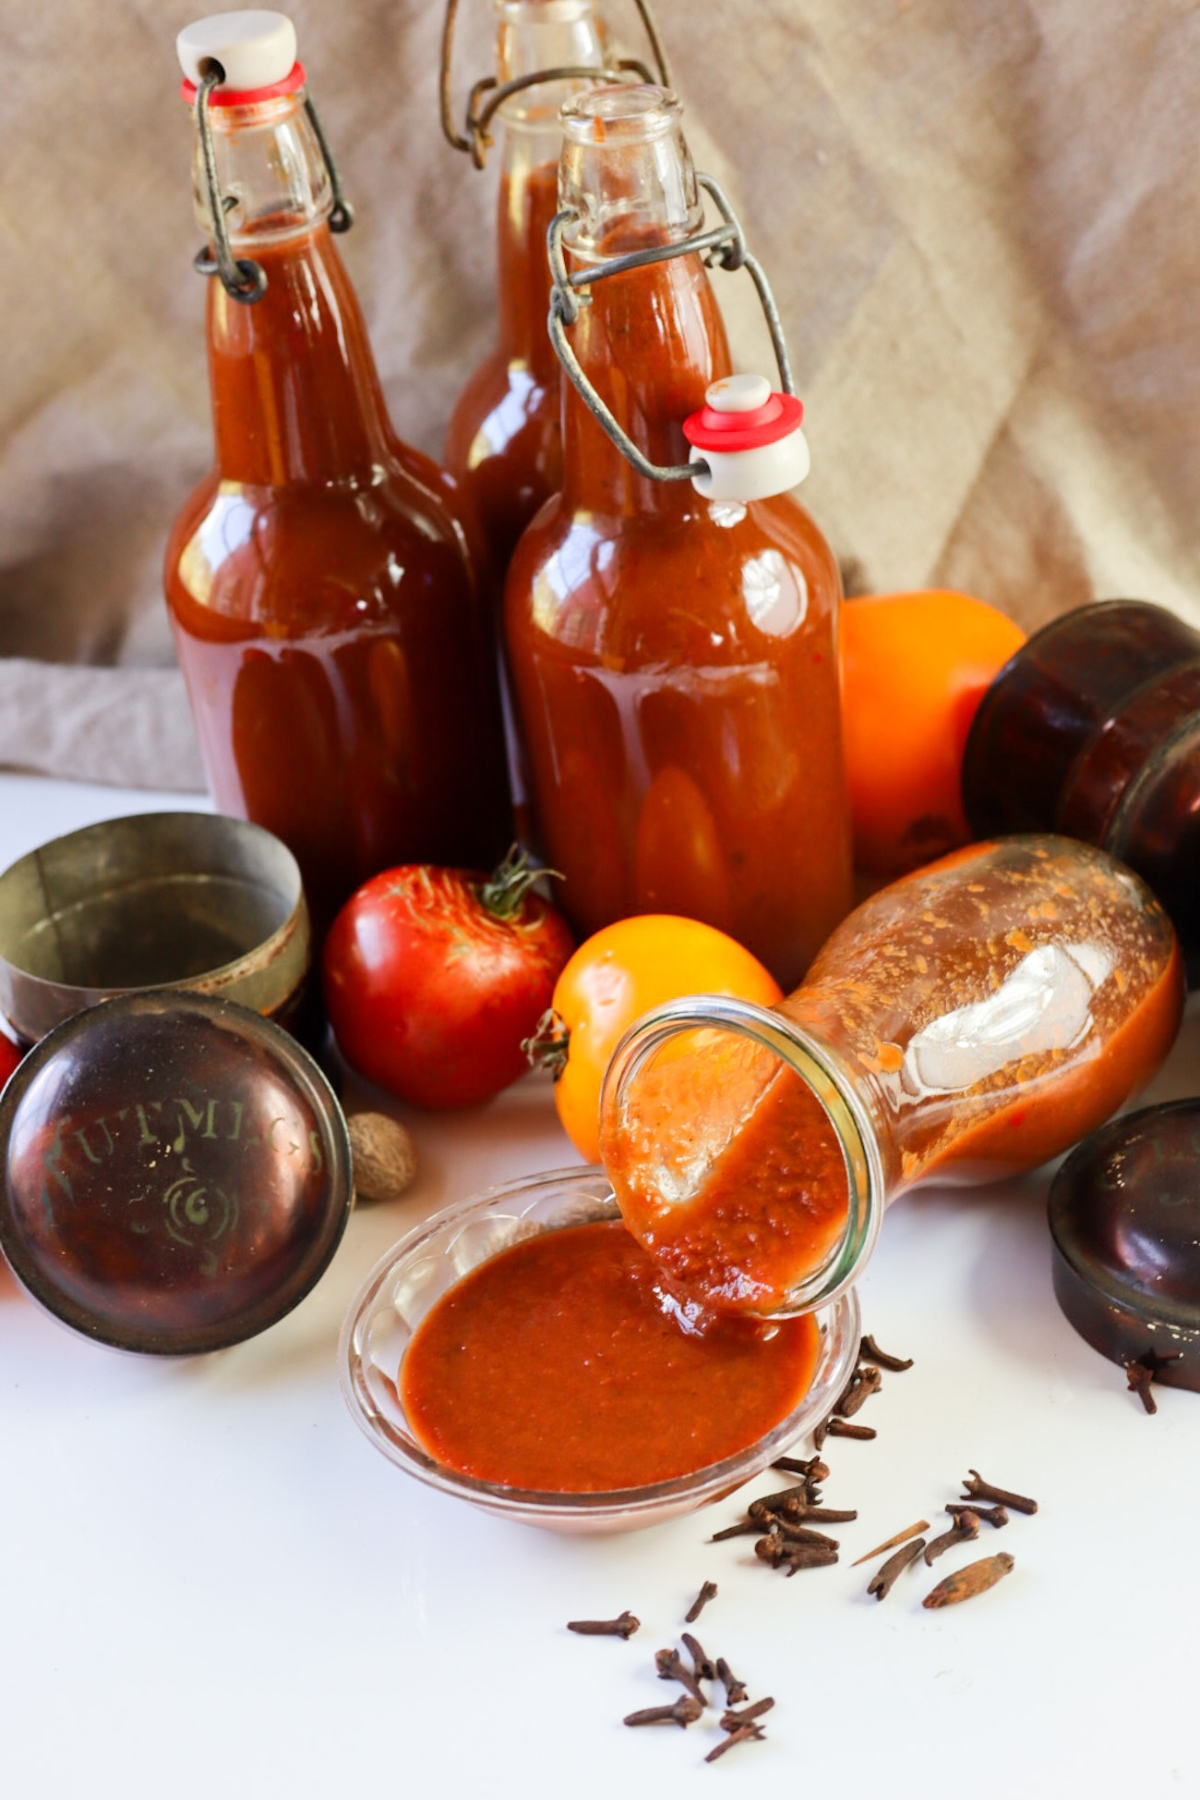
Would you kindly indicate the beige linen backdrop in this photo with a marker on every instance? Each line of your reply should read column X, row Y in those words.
column 980, row 218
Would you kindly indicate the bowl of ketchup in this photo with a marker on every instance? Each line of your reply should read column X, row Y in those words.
column 520, row 1351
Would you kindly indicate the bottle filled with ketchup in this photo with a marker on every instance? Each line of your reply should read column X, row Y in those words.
column 969, row 1022
column 504, row 445
column 336, row 644
column 672, row 628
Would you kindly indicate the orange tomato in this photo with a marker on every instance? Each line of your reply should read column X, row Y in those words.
column 616, row 976
column 914, row 669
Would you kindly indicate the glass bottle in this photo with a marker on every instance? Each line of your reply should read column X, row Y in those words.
column 674, row 659
column 970, row 1021
column 337, row 650
column 504, row 444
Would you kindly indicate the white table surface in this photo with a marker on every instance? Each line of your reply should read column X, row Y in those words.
column 212, row 1585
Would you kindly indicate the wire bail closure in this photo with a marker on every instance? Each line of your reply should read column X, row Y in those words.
column 481, row 111
column 722, row 246
column 242, row 278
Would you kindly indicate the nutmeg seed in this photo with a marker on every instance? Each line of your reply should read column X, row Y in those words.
column 385, row 1157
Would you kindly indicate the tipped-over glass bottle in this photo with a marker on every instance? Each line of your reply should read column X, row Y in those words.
column 968, row 1022
column 673, row 657
column 504, row 444
column 338, row 653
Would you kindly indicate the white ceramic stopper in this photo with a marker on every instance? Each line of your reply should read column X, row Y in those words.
column 739, row 393
column 255, row 49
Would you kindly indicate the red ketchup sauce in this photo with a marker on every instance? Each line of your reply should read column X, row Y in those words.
column 561, row 1365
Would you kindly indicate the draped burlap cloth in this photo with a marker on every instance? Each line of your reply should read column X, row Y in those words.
column 980, row 217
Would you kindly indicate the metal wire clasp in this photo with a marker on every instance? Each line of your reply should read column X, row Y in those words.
column 241, row 277
column 723, row 246
column 481, row 111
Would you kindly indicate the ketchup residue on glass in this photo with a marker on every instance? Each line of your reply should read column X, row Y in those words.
column 562, row 1365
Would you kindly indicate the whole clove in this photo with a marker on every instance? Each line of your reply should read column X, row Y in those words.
column 979, row 1489
column 1144, row 1369
column 861, row 1385
column 702, row 1668
column 795, row 1533
column 964, row 1528
column 671, row 1667
column 735, row 1690
column 839, row 1428
column 685, row 1712
column 623, row 1627
column 776, row 1550
column 743, row 1528
column 964, row 1584
column 825, row 1515
column 813, row 1469
column 901, row 1537
column 883, row 1580
column 787, row 1503
column 731, row 1720
column 742, row 1735
column 707, row 1592
column 894, row 1364
column 995, row 1516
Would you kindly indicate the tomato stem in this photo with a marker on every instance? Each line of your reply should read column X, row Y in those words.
column 503, row 893
column 549, row 1046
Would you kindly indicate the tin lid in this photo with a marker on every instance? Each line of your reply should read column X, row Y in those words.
column 176, row 1173
column 1125, row 1219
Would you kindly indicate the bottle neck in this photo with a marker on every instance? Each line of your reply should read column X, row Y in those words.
column 528, row 201
column 295, row 392
column 650, row 342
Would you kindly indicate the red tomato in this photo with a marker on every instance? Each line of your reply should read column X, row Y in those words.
column 433, row 977
column 10, row 1056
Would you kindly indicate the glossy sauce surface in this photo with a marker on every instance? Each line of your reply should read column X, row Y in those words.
column 337, row 654
column 504, row 444
column 675, row 660
column 560, row 1365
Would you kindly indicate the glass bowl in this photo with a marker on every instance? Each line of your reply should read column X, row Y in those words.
column 416, row 1272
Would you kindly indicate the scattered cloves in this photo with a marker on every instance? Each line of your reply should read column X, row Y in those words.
column 735, row 1690
column 701, row 1666
column 882, row 1581
column 839, row 1428
column 964, row 1528
column 964, row 1584
column 776, row 1550
column 685, row 1712
column 895, row 1364
column 731, row 1720
column 901, row 1537
column 742, row 1735
column 622, row 1627
column 979, row 1489
column 996, row 1516
column 707, row 1592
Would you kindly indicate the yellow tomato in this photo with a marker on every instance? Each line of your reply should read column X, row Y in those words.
column 620, row 973
column 914, row 669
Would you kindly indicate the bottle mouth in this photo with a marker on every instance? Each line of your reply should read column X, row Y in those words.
column 656, row 1041
column 633, row 112
column 542, row 12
